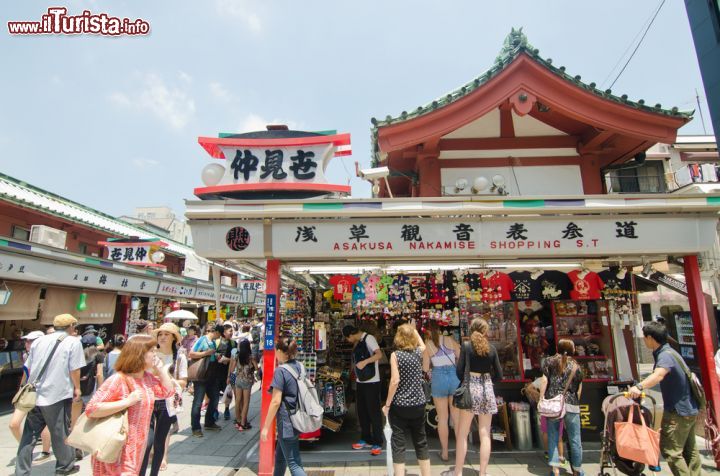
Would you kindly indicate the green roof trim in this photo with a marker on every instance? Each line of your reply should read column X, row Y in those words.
column 322, row 206
column 514, row 45
column 523, row 203
column 713, row 200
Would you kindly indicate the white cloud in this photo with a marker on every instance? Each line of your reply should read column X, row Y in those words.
column 172, row 105
column 142, row 163
column 185, row 77
column 243, row 10
column 254, row 122
column 219, row 92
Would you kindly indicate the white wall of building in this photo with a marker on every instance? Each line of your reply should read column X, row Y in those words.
column 519, row 181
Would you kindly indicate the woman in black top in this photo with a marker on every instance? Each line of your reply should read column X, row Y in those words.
column 405, row 405
column 484, row 368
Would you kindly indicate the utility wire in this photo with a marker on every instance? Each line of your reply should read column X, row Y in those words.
column 639, row 43
column 702, row 118
column 627, row 50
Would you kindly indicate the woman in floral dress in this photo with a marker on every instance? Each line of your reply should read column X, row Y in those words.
column 140, row 378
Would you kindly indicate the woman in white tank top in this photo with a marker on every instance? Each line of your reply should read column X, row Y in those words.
column 440, row 355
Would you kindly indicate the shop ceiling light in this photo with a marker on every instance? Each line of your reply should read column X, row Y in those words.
column 339, row 269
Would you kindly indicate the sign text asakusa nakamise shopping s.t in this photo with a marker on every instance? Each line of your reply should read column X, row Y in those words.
column 276, row 164
column 507, row 237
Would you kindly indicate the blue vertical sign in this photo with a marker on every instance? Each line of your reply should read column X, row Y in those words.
column 270, row 314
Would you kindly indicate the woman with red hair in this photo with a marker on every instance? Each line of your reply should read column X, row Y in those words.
column 140, row 379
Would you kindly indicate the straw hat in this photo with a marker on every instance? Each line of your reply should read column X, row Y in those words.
column 64, row 320
column 171, row 328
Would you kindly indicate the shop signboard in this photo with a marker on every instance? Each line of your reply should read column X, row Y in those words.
column 205, row 294
column 581, row 236
column 229, row 239
column 507, row 237
column 29, row 268
column 169, row 288
column 233, row 298
column 371, row 238
column 256, row 284
column 133, row 252
column 270, row 313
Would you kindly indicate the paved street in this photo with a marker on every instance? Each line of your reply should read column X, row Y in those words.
column 230, row 452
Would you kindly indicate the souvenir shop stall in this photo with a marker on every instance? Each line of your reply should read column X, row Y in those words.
column 528, row 312
column 537, row 272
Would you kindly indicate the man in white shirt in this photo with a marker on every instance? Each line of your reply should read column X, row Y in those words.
column 56, row 388
column 365, row 357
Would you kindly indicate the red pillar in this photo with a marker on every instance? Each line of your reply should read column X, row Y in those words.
column 272, row 288
column 702, row 329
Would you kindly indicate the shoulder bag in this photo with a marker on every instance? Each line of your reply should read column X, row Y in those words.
column 554, row 408
column 367, row 372
column 462, row 398
column 637, row 442
column 198, row 369
column 696, row 387
column 104, row 437
column 26, row 397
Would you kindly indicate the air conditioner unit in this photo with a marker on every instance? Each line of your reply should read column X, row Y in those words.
column 226, row 280
column 49, row 236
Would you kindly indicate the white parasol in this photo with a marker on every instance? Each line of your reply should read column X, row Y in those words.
column 388, row 454
column 181, row 315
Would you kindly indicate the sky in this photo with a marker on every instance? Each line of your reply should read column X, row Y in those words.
column 113, row 122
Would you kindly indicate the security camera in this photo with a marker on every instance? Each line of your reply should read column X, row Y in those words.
column 374, row 173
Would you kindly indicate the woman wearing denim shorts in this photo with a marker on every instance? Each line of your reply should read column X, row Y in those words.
column 440, row 355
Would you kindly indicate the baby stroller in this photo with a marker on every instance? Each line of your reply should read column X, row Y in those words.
column 616, row 408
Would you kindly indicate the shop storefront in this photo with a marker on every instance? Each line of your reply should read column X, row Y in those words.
column 538, row 271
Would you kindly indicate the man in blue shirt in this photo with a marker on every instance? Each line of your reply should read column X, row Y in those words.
column 205, row 347
column 677, row 430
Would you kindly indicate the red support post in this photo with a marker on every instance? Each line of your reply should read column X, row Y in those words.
column 702, row 329
column 272, row 288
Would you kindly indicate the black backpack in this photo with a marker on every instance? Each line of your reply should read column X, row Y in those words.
column 88, row 374
column 361, row 352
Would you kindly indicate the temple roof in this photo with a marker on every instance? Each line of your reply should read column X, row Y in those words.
column 516, row 44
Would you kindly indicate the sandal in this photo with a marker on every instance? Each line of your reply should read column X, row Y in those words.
column 247, row 426
column 163, row 466
column 238, row 426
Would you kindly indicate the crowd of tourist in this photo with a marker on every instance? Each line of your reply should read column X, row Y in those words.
column 145, row 376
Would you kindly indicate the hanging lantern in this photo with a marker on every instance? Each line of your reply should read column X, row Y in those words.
column 5, row 293
column 135, row 303
column 175, row 306
column 82, row 302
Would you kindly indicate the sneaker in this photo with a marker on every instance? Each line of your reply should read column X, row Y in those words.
column 213, row 427
column 227, row 414
column 198, row 434
column 40, row 457
column 375, row 450
column 73, row 470
column 360, row 445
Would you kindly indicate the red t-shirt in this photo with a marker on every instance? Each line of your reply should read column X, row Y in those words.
column 587, row 288
column 499, row 283
column 342, row 284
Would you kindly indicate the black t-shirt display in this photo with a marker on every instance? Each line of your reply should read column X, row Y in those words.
column 524, row 286
column 552, row 285
column 613, row 283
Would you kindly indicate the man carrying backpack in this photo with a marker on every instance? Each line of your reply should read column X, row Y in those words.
column 681, row 400
column 365, row 357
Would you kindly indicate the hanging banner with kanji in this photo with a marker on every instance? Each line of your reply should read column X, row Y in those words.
column 133, row 252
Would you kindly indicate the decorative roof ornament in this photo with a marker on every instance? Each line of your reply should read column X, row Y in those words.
column 514, row 42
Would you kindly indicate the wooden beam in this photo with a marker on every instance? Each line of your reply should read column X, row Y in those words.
column 499, row 143
column 508, row 162
column 507, row 128
column 594, row 141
